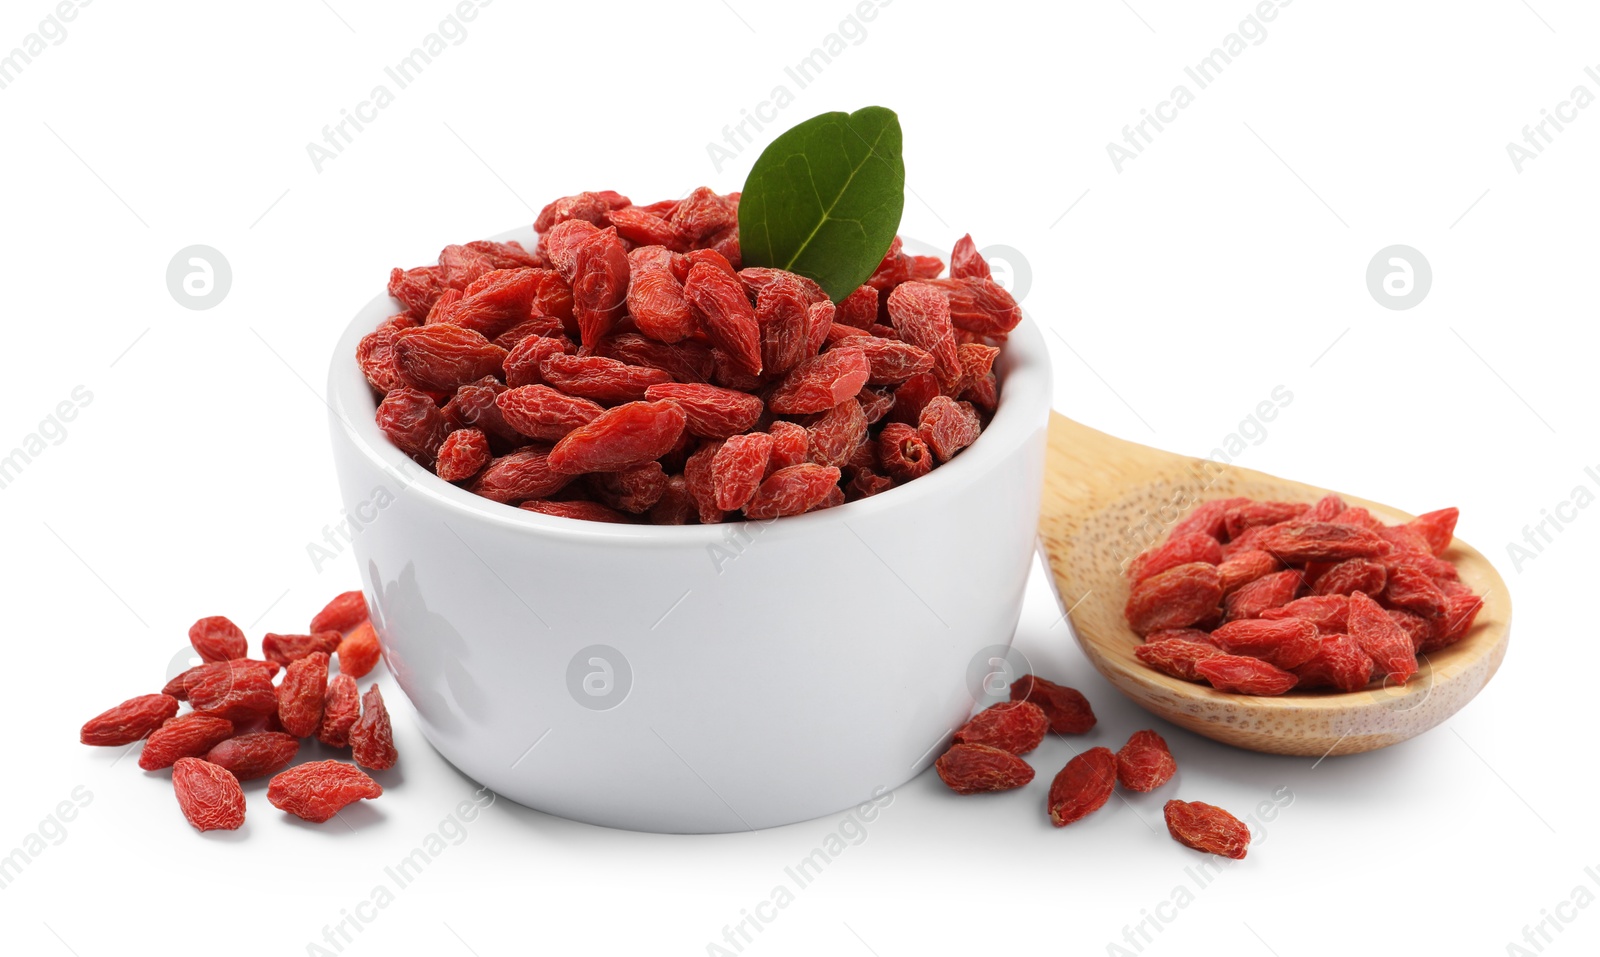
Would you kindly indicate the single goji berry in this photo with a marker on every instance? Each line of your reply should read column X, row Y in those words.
column 1352, row 575
column 344, row 612
column 1330, row 613
column 903, row 452
column 979, row 305
column 838, row 433
column 1410, row 588
column 709, row 411
column 1250, row 514
column 1066, row 708
column 1145, row 762
column 318, row 790
column 978, row 768
column 656, row 300
column 1207, row 828
column 1208, row 518
column 634, row 490
column 218, row 639
column 462, row 455
column 579, row 509
column 726, row 315
column 209, row 796
column 1339, row 663
column 1384, row 641
column 792, row 490
column 1176, row 598
column 1437, row 528
column 519, row 476
column 413, row 422
column 1083, row 786
column 921, row 315
column 256, row 755
column 128, row 721
column 236, row 690
column 820, row 382
column 543, row 413
column 284, row 649
column 525, row 359
column 1243, row 675
column 188, row 736
column 341, row 708
column 606, row 381
column 359, row 651
column 738, row 468
column 1176, row 656
column 441, row 357
column 1268, row 591
column 305, row 681
column 1320, row 541
column 1015, row 726
column 966, row 262
column 948, row 426
column 1285, row 642
column 1178, row 550
column 620, row 438
column 372, row 737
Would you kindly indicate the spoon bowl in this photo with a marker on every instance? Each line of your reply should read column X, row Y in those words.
column 1106, row 500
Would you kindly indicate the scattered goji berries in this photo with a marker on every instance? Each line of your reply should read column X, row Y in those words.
column 243, row 726
column 1277, row 596
column 536, row 377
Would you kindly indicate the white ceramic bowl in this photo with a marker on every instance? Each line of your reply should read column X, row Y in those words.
column 696, row 678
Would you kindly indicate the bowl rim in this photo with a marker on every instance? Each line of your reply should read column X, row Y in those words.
column 1023, row 410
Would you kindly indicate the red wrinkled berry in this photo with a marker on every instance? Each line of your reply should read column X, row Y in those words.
column 792, row 491
column 821, row 382
column 318, row 790
column 738, row 468
column 305, row 681
column 236, row 690
column 903, row 452
column 128, row 721
column 284, row 649
column 359, row 651
column 1384, row 641
column 343, row 613
column 209, row 796
column 255, row 755
column 1176, row 656
column 341, row 708
column 218, row 639
column 413, row 422
column 462, row 455
column 620, row 438
column 1082, row 787
column 710, row 412
column 440, row 357
column 1242, row 675
column 188, row 736
column 725, row 314
column 1339, row 663
column 1176, row 598
column 1207, row 828
column 978, row 768
column 372, row 737
column 1145, row 762
column 1286, row 642
column 948, row 426
column 1015, row 726
column 519, row 476
column 1066, row 708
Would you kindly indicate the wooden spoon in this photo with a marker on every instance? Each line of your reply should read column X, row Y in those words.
column 1106, row 500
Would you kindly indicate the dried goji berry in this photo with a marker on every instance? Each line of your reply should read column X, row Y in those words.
column 359, row 651
column 980, row 306
column 674, row 506
column 643, row 228
column 1420, row 630
column 474, row 407
column 413, row 422
column 686, row 361
column 591, row 207
column 965, row 262
column 948, row 426
column 300, row 694
column 1250, row 514
column 209, row 796
column 441, row 357
column 1286, row 642
column 1083, row 786
column 820, row 382
column 606, row 381
column 543, row 413
column 837, row 434
column 128, row 721
column 1176, row 598
column 903, row 452
column 1359, row 517
column 1353, row 575
column 372, row 738
column 1243, row 567
column 526, row 357
column 1176, row 656
column 1242, row 675
column 1268, row 591
column 1438, row 528
column 1066, row 708
column 977, row 768
column 1339, row 663
column 702, row 213
column 1410, row 588
column 1145, row 762
column 1178, row 550
column 188, row 736
column 1460, row 611
column 726, row 315
column 599, row 282
column 1330, row 613
column 633, row 490
column 699, row 484
column 341, row 708
column 782, row 313
column 235, row 690
column 620, row 438
column 1207, row 828
column 790, row 445
column 921, row 315
column 792, row 490
column 709, row 411
column 1015, row 726
column 462, row 455
column 284, row 649
column 859, row 309
column 656, row 300
column 318, row 790
column 375, row 354
column 255, row 755
column 344, row 612
column 1384, row 641
column 218, row 639
column 1208, row 518
column 521, row 475
column 738, row 468
column 1320, row 542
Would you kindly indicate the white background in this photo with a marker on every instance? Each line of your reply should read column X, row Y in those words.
column 1226, row 260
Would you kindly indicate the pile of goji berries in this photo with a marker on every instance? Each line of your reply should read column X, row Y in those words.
column 242, row 726
column 986, row 756
column 1261, row 597
column 629, row 369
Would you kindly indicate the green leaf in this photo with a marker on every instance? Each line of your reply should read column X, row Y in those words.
column 824, row 199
